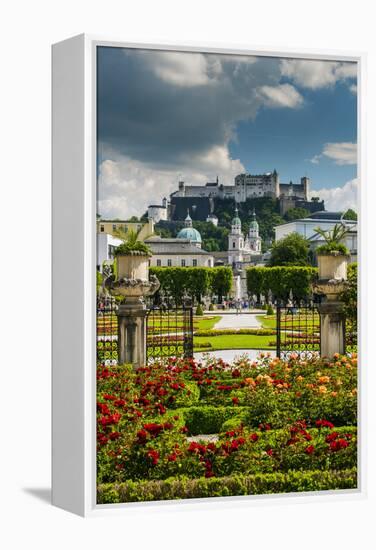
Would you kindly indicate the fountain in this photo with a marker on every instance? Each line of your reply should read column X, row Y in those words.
column 238, row 291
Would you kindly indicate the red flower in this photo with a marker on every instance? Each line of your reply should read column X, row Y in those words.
column 142, row 436
column 235, row 400
column 253, row 437
column 338, row 445
column 324, row 424
column 154, row 455
column 309, row 450
column 114, row 435
column 331, row 437
column 172, row 457
column 269, row 452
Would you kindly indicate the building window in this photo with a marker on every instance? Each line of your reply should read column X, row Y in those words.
column 209, row 263
column 233, row 244
column 194, row 263
column 183, row 263
column 159, row 263
column 169, row 263
column 114, row 227
column 102, row 228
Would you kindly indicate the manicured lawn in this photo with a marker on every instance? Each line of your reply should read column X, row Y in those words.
column 235, row 341
column 205, row 323
column 269, row 321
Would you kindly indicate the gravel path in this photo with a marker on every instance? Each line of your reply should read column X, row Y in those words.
column 243, row 320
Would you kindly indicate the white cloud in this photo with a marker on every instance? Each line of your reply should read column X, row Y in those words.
column 353, row 89
column 339, row 198
column 341, row 153
column 126, row 186
column 185, row 69
column 313, row 74
column 283, row 95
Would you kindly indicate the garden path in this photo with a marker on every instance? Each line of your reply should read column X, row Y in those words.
column 242, row 320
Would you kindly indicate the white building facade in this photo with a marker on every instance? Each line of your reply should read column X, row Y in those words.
column 106, row 246
column 325, row 221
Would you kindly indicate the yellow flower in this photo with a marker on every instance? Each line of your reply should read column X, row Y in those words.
column 354, row 391
column 323, row 389
column 324, row 379
column 299, row 378
column 250, row 382
column 334, row 394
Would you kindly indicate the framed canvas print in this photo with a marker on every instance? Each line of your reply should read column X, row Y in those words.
column 206, row 211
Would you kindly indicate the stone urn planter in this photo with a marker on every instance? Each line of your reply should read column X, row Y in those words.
column 134, row 285
column 132, row 280
column 332, row 268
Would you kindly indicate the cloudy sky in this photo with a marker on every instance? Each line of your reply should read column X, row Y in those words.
column 165, row 116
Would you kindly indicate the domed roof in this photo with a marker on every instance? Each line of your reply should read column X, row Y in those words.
column 254, row 224
column 236, row 220
column 190, row 233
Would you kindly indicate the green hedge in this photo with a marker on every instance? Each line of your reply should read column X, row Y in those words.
column 280, row 280
column 257, row 484
column 208, row 419
column 195, row 281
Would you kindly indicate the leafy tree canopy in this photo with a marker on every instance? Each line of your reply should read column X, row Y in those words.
column 291, row 250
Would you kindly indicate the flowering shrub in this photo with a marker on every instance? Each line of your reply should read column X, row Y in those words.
column 255, row 408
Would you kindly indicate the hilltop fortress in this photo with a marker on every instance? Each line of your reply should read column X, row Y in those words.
column 200, row 198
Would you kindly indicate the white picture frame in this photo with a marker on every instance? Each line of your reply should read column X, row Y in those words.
column 74, row 270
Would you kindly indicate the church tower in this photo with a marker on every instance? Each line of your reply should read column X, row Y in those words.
column 254, row 237
column 235, row 241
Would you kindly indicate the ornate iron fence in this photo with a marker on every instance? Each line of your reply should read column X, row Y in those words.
column 107, row 336
column 298, row 329
column 351, row 335
column 169, row 328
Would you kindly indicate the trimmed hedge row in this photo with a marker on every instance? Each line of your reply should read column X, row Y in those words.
column 208, row 419
column 280, row 280
column 257, row 484
column 195, row 281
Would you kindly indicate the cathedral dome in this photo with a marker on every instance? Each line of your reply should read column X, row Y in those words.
column 190, row 233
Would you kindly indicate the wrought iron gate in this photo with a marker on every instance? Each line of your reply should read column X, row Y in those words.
column 107, row 336
column 169, row 328
column 298, row 330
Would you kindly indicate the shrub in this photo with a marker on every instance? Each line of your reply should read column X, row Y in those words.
column 211, row 307
column 257, row 484
column 199, row 310
column 207, row 419
column 269, row 310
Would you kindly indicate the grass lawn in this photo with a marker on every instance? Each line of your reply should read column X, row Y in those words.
column 269, row 321
column 235, row 341
column 205, row 323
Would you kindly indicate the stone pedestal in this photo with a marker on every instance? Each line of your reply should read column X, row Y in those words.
column 333, row 324
column 132, row 332
column 134, row 285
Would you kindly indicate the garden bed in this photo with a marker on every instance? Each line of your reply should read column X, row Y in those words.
column 280, row 427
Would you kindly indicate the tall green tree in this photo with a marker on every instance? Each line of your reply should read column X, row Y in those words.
column 291, row 250
column 350, row 214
